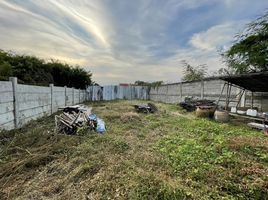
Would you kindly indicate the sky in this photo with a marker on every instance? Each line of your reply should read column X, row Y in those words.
column 121, row 41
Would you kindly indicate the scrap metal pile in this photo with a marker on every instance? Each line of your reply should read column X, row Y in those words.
column 74, row 117
column 190, row 104
column 149, row 108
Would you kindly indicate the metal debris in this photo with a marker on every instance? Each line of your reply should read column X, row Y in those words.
column 190, row 104
column 149, row 108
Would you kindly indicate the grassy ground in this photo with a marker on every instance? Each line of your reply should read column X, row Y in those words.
column 169, row 155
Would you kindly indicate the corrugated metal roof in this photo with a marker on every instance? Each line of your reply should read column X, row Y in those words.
column 255, row 82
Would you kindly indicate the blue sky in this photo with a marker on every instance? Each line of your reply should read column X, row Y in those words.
column 126, row 40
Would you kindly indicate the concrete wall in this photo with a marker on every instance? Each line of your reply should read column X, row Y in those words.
column 175, row 93
column 21, row 103
column 6, row 105
column 207, row 89
column 112, row 92
column 32, row 102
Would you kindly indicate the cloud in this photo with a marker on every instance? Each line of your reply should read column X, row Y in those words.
column 124, row 41
column 217, row 36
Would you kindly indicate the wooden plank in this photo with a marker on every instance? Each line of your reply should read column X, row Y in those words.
column 248, row 117
column 257, row 125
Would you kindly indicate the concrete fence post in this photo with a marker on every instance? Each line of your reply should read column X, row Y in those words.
column 79, row 96
column 14, row 81
column 65, row 95
column 202, row 89
column 52, row 97
column 181, row 90
column 73, row 95
column 167, row 91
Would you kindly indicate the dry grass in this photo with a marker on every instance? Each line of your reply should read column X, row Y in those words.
column 130, row 117
column 154, row 156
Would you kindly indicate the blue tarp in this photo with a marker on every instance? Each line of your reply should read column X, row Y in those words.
column 100, row 123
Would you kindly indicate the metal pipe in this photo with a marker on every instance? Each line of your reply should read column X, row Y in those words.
column 226, row 98
column 221, row 94
column 229, row 95
column 240, row 97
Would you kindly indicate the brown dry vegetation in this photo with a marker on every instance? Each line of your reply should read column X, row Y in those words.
column 167, row 155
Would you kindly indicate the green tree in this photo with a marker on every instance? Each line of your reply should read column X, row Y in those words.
column 193, row 73
column 154, row 84
column 250, row 51
column 5, row 70
column 33, row 70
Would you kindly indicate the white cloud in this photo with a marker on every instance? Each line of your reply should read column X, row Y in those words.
column 217, row 36
column 122, row 41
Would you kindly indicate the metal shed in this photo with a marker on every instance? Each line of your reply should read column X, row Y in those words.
column 253, row 82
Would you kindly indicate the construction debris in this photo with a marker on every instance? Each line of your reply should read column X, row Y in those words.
column 190, row 104
column 74, row 117
column 98, row 123
column 149, row 108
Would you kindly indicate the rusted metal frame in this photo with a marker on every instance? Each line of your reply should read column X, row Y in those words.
column 240, row 97
column 226, row 97
column 221, row 94
column 229, row 94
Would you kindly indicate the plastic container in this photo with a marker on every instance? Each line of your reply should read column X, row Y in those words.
column 221, row 116
column 252, row 112
column 233, row 110
column 100, row 126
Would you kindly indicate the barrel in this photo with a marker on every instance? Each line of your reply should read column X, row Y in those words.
column 221, row 116
column 205, row 111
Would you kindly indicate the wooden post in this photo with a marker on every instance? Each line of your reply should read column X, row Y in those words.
column 14, row 81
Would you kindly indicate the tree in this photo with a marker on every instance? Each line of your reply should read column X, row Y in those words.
column 33, row 70
column 192, row 73
column 5, row 71
column 154, row 84
column 250, row 51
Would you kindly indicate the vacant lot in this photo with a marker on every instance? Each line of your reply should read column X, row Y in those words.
column 168, row 155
